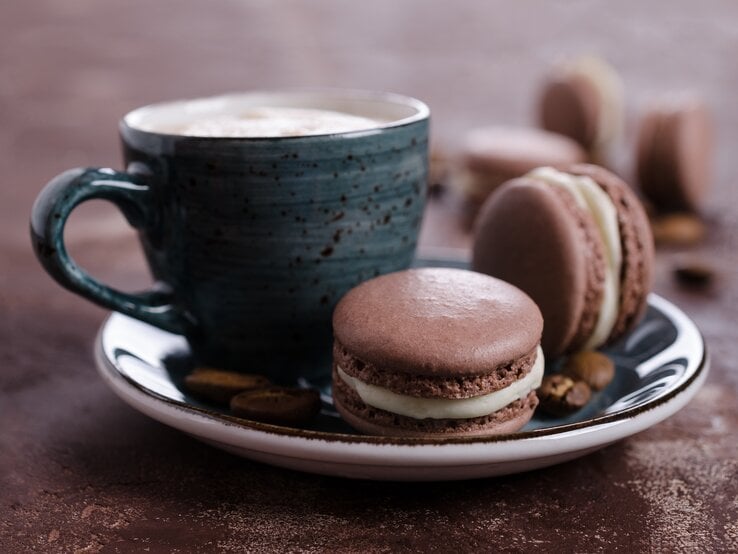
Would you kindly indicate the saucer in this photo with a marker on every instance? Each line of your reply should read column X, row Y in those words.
column 660, row 366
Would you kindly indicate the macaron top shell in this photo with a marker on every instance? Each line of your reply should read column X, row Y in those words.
column 513, row 151
column 437, row 322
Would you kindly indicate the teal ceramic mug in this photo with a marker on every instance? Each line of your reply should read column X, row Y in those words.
column 252, row 241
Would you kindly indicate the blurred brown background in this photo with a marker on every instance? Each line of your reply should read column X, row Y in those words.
column 79, row 470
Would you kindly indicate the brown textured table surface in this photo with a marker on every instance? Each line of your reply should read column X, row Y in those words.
column 81, row 471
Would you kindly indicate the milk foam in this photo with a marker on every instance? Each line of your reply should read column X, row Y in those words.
column 271, row 122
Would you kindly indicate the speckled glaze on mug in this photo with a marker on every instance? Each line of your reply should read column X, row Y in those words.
column 252, row 241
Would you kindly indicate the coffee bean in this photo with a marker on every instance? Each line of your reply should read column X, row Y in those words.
column 220, row 385
column 694, row 273
column 680, row 229
column 561, row 395
column 278, row 405
column 594, row 368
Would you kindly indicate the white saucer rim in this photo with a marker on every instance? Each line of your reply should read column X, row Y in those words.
column 348, row 449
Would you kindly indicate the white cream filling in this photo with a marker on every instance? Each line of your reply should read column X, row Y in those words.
column 443, row 408
column 590, row 196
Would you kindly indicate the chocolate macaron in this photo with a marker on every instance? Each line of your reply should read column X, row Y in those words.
column 579, row 243
column 674, row 153
column 436, row 352
column 492, row 155
column 583, row 99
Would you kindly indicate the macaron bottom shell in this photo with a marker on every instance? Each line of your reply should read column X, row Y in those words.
column 374, row 421
column 383, row 410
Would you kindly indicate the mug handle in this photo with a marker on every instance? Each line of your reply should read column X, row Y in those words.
column 49, row 216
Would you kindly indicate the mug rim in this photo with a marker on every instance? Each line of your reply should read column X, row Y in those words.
column 422, row 112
